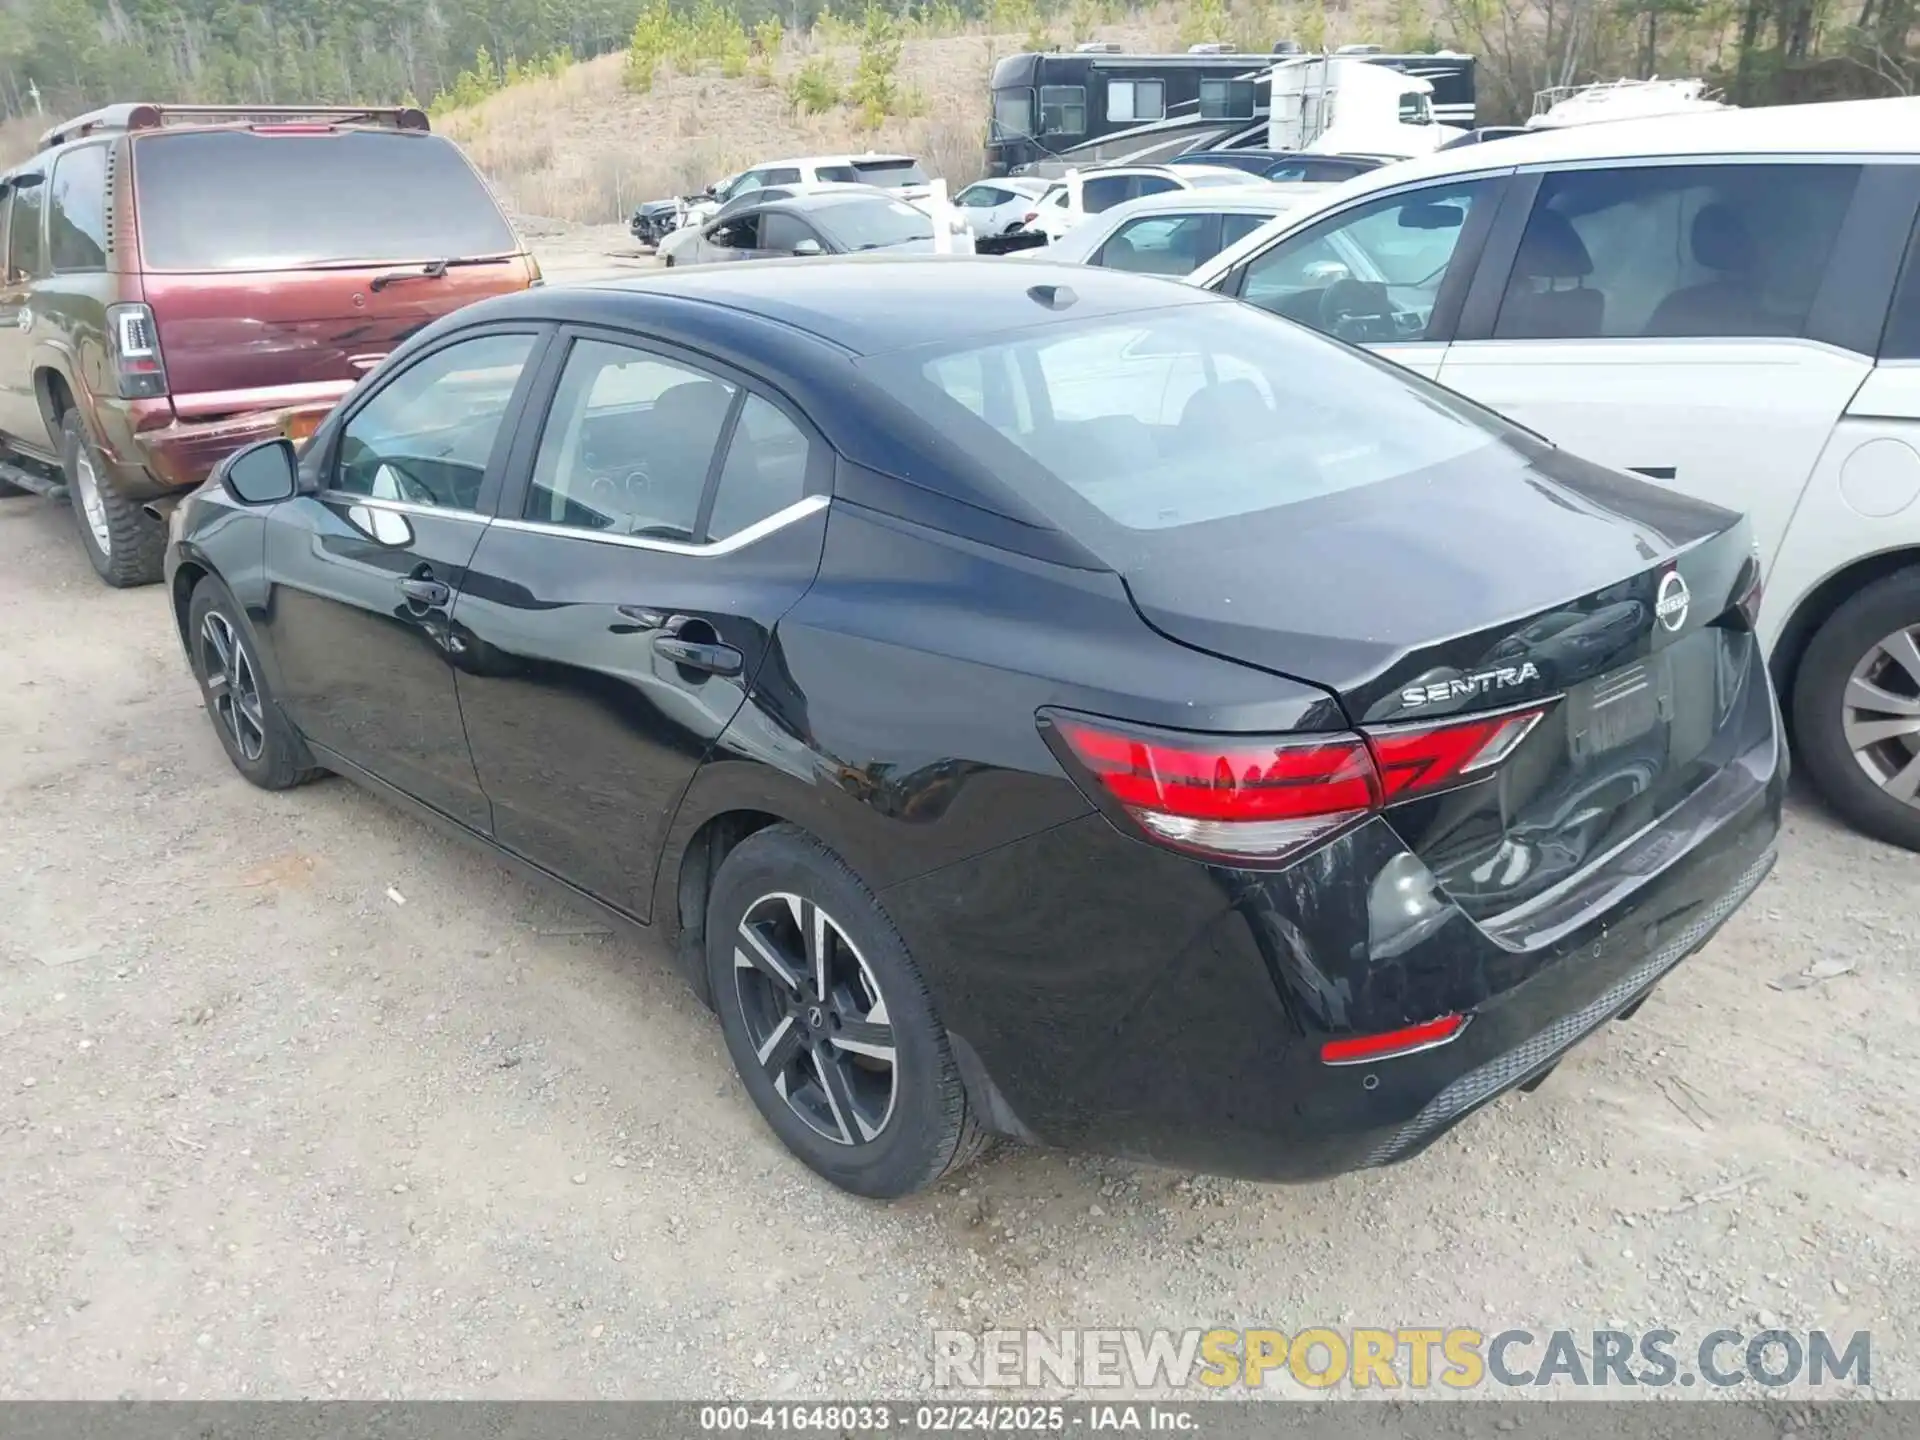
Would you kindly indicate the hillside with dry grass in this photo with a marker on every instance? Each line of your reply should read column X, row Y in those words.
column 580, row 147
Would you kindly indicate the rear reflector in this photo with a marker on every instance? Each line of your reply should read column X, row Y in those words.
column 1356, row 1049
column 1266, row 798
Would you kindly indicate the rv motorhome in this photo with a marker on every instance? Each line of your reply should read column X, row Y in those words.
column 1098, row 105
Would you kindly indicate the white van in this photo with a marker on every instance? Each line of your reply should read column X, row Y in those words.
column 1727, row 303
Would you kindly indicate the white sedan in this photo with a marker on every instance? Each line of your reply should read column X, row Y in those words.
column 1174, row 231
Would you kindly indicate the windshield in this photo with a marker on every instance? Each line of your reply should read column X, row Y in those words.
column 1185, row 415
column 870, row 224
column 1013, row 111
column 890, row 174
column 238, row 200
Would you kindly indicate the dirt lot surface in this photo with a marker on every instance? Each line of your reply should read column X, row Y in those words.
column 300, row 1099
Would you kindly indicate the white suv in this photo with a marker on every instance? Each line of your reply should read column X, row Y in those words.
column 1728, row 304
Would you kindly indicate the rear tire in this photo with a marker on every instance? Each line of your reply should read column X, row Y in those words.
column 1855, row 695
column 126, row 545
column 255, row 734
column 884, row 1119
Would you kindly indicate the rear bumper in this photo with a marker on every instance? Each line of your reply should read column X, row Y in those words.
column 1124, row 1000
column 153, row 460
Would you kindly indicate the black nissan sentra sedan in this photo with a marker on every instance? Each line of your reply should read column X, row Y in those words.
column 1032, row 700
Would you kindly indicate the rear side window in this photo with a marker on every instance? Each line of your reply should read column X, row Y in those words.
column 237, row 200
column 1902, row 340
column 1160, row 244
column 765, row 469
column 77, row 210
column 1184, row 415
column 784, row 175
column 838, row 174
column 1703, row 251
column 1106, row 191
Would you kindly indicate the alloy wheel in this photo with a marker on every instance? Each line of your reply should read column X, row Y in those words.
column 816, row 1018
column 231, row 685
column 88, row 484
column 1880, row 715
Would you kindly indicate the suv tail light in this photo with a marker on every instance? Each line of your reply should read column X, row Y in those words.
column 1267, row 798
column 133, row 349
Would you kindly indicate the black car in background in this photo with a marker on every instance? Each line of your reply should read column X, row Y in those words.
column 1027, row 698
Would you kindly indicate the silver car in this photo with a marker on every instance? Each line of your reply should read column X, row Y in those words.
column 835, row 223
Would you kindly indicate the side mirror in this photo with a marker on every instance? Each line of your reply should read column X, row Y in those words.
column 262, row 474
column 808, row 247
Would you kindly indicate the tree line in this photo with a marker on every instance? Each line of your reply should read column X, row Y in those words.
column 58, row 57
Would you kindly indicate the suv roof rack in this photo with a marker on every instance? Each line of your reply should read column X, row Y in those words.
column 146, row 116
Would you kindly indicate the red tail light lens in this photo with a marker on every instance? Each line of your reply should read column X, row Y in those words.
column 1357, row 1049
column 1267, row 798
column 1029, row 217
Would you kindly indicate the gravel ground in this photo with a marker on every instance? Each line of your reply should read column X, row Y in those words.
column 300, row 1099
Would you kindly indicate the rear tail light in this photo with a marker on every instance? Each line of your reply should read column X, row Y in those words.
column 1029, row 217
column 1266, row 799
column 133, row 349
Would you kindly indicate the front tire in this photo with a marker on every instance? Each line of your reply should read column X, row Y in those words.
column 1856, row 709
column 125, row 545
column 256, row 736
column 829, row 1022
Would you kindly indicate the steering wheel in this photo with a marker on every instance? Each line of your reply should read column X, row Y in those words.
column 627, row 489
column 1358, row 311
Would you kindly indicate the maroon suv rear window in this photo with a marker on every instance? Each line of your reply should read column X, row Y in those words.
column 236, row 200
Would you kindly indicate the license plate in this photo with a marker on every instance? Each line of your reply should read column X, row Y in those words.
column 1615, row 710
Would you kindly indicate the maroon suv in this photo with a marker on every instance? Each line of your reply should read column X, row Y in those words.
column 183, row 280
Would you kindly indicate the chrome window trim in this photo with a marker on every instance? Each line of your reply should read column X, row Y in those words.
column 740, row 539
column 404, row 507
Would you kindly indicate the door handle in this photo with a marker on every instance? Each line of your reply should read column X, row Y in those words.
column 695, row 655
column 422, row 591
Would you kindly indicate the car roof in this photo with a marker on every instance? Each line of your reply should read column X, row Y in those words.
column 871, row 304
column 1840, row 128
column 870, row 157
column 1847, row 127
column 808, row 201
column 1259, row 197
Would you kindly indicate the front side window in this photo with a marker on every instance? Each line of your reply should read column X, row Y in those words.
column 628, row 444
column 77, row 210
column 1675, row 250
column 427, row 436
column 740, row 233
column 1184, row 414
column 1226, row 99
column 1902, row 338
column 1129, row 100
column 1013, row 112
column 1160, row 244
column 1369, row 275
column 24, row 256
column 1063, row 109
column 781, row 233
column 1235, row 228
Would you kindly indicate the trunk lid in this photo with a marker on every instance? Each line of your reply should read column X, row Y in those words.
column 1539, row 579
column 222, row 333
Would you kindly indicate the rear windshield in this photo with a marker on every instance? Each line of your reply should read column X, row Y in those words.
column 237, row 200
column 869, row 224
column 1185, row 415
column 890, row 174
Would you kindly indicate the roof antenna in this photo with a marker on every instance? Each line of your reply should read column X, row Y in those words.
column 1054, row 297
